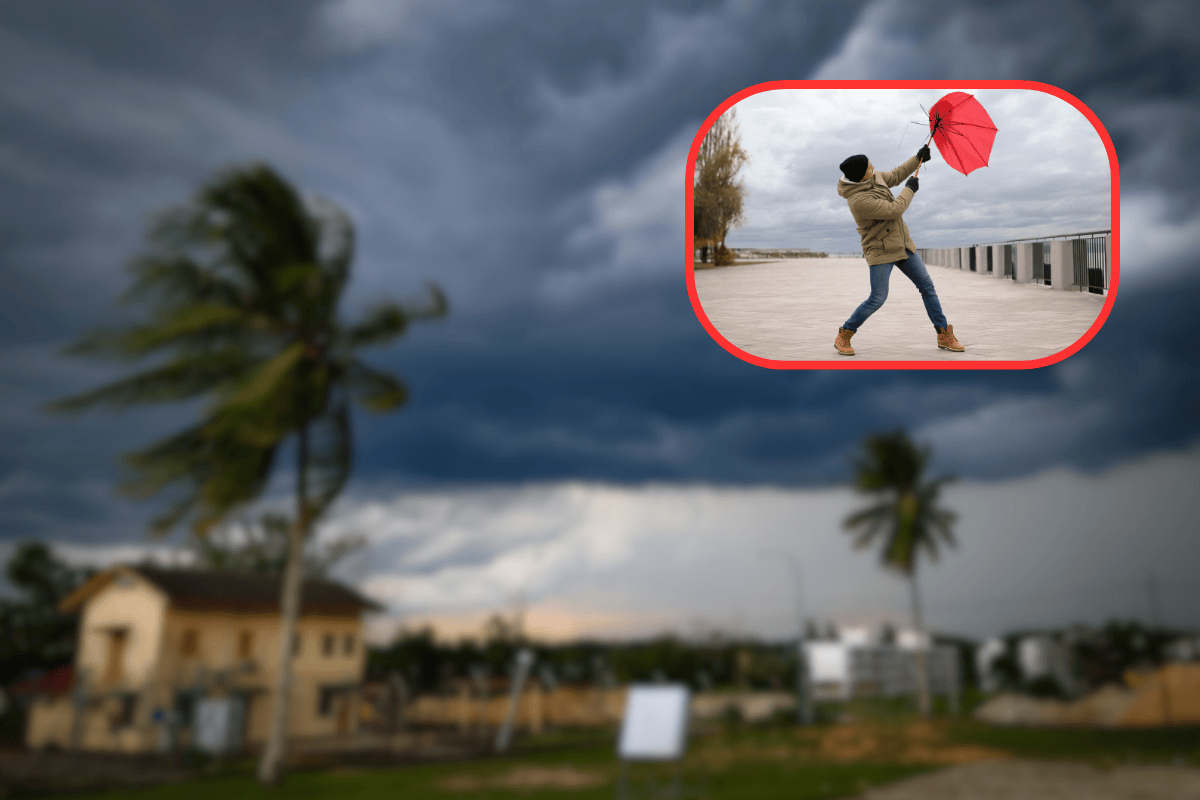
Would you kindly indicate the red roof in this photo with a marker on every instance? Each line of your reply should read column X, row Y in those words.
column 58, row 680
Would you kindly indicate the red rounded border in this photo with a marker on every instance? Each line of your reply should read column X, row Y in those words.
column 1115, row 214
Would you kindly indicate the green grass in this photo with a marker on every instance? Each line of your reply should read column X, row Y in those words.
column 746, row 777
column 747, row 762
column 1101, row 747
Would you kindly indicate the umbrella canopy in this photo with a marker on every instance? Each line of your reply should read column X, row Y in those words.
column 962, row 131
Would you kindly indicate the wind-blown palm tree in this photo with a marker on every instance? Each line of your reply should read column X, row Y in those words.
column 907, row 517
column 243, row 286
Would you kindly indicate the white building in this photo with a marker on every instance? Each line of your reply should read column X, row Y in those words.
column 985, row 659
column 1043, row 656
column 859, row 664
column 1186, row 648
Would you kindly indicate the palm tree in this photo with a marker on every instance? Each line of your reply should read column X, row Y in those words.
column 243, row 286
column 907, row 515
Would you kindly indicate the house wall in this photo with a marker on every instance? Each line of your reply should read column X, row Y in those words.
column 131, row 603
column 155, row 670
column 217, row 637
column 49, row 722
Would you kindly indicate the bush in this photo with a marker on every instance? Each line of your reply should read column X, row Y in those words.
column 723, row 256
column 1046, row 687
column 731, row 717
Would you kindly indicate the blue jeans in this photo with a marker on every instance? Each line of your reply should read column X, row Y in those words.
column 914, row 268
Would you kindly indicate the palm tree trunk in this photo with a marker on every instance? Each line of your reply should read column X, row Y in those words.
column 922, row 657
column 271, row 767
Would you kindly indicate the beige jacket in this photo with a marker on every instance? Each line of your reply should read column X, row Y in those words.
column 879, row 215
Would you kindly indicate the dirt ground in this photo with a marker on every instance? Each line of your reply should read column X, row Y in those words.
column 1045, row 780
column 528, row 778
column 917, row 743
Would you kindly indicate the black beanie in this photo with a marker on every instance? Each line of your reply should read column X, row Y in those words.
column 854, row 168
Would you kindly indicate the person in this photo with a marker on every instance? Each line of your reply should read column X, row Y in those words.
column 886, row 242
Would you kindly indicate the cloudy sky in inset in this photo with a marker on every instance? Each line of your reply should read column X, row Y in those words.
column 1048, row 173
column 531, row 160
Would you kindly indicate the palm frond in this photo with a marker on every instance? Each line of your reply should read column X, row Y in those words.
column 375, row 391
column 388, row 321
column 182, row 379
column 330, row 456
column 168, row 279
column 265, row 382
column 242, row 287
column 868, row 522
column 206, row 324
column 336, row 250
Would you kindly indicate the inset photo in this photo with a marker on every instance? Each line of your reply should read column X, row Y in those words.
column 902, row 225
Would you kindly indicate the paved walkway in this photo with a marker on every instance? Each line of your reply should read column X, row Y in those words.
column 790, row 310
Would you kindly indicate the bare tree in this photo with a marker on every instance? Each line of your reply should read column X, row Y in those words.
column 718, row 191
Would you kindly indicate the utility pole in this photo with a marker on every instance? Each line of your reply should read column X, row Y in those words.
column 524, row 662
column 803, row 697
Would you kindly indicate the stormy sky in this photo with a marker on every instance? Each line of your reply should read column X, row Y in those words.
column 571, row 423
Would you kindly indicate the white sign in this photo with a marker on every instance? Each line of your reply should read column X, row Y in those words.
column 655, row 724
column 212, row 724
column 827, row 662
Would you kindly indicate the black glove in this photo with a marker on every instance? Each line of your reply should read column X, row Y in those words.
column 924, row 154
column 913, row 184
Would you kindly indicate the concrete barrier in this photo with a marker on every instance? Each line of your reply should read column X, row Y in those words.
column 1024, row 259
column 997, row 251
column 1062, row 266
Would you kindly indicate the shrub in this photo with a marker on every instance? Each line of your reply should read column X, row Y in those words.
column 723, row 256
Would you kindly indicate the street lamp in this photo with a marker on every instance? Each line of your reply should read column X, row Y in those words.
column 803, row 698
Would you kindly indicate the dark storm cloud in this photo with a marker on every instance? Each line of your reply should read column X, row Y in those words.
column 532, row 164
column 685, row 412
column 1137, row 65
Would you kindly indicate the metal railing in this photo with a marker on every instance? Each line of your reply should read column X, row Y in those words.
column 1086, row 267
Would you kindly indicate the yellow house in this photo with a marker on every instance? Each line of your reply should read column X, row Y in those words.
column 159, row 648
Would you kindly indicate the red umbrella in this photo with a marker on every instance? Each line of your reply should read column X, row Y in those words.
column 962, row 131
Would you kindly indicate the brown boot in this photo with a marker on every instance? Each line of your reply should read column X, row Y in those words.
column 946, row 340
column 842, row 342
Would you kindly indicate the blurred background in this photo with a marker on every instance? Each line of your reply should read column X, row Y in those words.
column 579, row 469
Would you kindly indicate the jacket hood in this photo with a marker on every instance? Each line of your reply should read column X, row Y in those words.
column 845, row 188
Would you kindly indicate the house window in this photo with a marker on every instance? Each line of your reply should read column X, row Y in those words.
column 184, row 703
column 127, row 706
column 327, row 645
column 348, row 644
column 190, row 643
column 245, row 644
column 325, row 700
column 116, row 654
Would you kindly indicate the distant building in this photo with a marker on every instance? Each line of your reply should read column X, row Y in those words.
column 176, row 658
column 860, row 664
column 1185, row 648
column 1044, row 656
column 990, row 680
